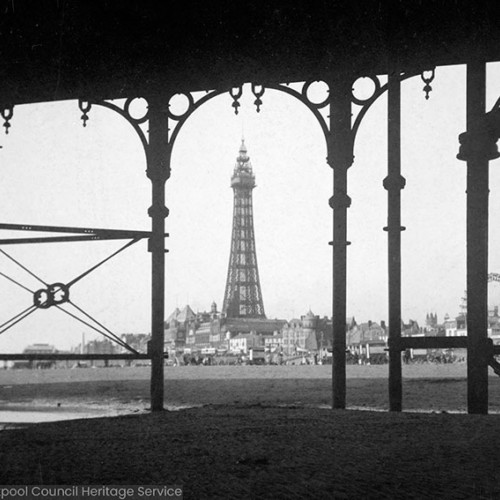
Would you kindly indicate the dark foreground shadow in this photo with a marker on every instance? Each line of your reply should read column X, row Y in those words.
column 252, row 452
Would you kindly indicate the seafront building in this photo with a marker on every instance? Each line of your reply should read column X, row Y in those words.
column 457, row 326
column 186, row 331
column 212, row 332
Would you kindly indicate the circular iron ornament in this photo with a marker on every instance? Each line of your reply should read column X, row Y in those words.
column 41, row 299
column 374, row 94
column 59, row 293
column 305, row 90
column 55, row 294
column 141, row 119
column 180, row 116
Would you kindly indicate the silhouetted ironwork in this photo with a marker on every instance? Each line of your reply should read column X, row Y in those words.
column 57, row 294
column 71, row 356
column 197, row 46
column 394, row 183
column 90, row 234
column 476, row 148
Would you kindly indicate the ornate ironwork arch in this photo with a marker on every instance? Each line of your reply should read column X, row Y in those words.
column 235, row 93
column 164, row 126
column 339, row 131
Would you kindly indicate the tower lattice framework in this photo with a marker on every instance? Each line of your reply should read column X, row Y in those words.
column 243, row 295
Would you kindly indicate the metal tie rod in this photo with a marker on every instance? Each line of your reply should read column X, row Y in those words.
column 90, row 234
column 66, row 229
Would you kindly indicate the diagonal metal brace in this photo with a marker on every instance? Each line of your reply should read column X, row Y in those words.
column 57, row 294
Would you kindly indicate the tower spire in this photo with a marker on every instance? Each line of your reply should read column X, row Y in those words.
column 243, row 295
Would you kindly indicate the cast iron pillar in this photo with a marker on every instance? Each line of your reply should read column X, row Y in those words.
column 340, row 158
column 158, row 171
column 394, row 183
column 477, row 159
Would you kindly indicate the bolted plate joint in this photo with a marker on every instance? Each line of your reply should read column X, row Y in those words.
column 160, row 174
column 339, row 243
column 479, row 141
column 485, row 347
column 394, row 345
column 393, row 182
column 340, row 162
column 394, row 228
column 150, row 246
column 339, row 200
column 158, row 211
column 477, row 145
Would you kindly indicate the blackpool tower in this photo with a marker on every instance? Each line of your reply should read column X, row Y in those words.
column 243, row 296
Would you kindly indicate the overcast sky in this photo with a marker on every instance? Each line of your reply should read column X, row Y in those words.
column 56, row 172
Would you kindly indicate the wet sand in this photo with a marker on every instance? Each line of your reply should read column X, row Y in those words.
column 425, row 387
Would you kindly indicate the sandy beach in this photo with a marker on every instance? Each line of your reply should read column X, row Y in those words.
column 426, row 387
column 257, row 432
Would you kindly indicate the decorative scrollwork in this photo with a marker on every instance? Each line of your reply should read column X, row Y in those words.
column 258, row 92
column 366, row 103
column 124, row 112
column 85, row 107
column 301, row 95
column 427, row 79
column 236, row 93
column 7, row 113
column 176, row 121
